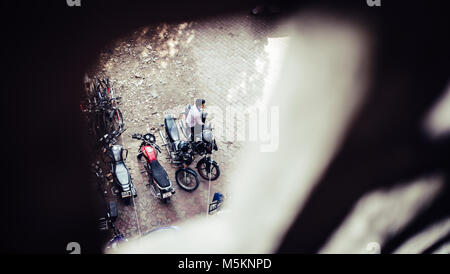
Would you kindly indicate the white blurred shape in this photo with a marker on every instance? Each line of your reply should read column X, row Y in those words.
column 426, row 238
column 275, row 49
column 437, row 122
column 381, row 214
column 445, row 249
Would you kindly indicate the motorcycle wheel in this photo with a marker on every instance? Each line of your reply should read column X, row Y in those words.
column 164, row 200
column 205, row 169
column 127, row 201
column 187, row 179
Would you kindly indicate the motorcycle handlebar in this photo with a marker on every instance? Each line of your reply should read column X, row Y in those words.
column 136, row 136
column 110, row 137
column 119, row 132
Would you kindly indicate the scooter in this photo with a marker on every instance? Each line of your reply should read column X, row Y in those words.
column 121, row 174
column 180, row 155
column 158, row 177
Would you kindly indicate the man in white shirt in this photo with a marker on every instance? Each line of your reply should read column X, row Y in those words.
column 194, row 118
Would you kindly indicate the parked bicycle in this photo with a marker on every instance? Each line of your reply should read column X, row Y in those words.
column 112, row 116
column 101, row 105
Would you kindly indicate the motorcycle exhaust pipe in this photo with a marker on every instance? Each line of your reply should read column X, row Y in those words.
column 164, row 141
column 183, row 129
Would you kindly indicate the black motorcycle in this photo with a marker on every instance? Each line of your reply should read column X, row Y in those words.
column 206, row 167
column 204, row 146
column 121, row 174
column 158, row 178
column 107, row 224
column 180, row 155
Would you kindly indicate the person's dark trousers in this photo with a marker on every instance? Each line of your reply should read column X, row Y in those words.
column 196, row 131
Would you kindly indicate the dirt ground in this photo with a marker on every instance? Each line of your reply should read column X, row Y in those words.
column 162, row 68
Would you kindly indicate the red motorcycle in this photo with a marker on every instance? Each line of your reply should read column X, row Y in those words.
column 158, row 178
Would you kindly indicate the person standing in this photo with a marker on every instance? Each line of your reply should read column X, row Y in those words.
column 194, row 118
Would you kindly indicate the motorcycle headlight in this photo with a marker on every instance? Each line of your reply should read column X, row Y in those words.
column 187, row 158
column 207, row 136
column 184, row 147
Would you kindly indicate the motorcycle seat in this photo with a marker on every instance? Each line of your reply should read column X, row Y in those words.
column 159, row 174
column 122, row 175
column 171, row 128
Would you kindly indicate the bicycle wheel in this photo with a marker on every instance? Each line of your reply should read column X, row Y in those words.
column 187, row 179
column 113, row 120
column 118, row 119
column 208, row 169
column 100, row 90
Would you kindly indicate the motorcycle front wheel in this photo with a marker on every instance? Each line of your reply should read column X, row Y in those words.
column 208, row 169
column 187, row 179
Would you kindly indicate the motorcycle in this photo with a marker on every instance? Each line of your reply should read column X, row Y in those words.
column 206, row 167
column 107, row 224
column 204, row 146
column 180, row 155
column 121, row 174
column 158, row 177
column 117, row 239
